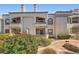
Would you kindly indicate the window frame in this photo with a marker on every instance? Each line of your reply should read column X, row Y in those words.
column 7, row 21
column 40, row 31
column 7, row 31
column 50, row 21
column 40, row 20
column 50, row 32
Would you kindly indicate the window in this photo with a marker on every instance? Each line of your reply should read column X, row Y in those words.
column 50, row 31
column 50, row 21
column 7, row 21
column 40, row 20
column 16, row 20
column 6, row 30
column 40, row 31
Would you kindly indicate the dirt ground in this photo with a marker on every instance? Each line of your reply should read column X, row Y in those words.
column 57, row 46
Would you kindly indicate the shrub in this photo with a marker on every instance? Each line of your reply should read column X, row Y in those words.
column 71, row 47
column 24, row 44
column 43, row 41
column 64, row 36
column 1, row 50
column 48, row 50
column 5, row 36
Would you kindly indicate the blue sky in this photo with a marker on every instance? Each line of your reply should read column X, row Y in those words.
column 4, row 8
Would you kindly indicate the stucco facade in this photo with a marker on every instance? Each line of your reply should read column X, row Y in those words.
column 41, row 23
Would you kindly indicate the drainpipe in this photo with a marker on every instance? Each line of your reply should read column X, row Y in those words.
column 10, row 25
column 47, row 35
column 22, row 24
column 55, row 28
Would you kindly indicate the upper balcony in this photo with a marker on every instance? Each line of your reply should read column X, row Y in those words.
column 15, row 22
column 73, row 21
column 40, row 22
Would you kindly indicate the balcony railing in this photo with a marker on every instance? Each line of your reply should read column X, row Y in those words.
column 15, row 22
column 40, row 22
column 15, row 25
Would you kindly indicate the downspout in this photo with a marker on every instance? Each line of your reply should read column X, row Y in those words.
column 55, row 28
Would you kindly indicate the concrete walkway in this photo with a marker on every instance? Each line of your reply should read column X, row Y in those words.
column 57, row 46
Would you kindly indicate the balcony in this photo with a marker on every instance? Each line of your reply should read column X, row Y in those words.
column 16, row 30
column 40, row 22
column 74, row 21
column 40, row 31
column 15, row 25
column 16, row 20
column 72, row 25
column 75, row 30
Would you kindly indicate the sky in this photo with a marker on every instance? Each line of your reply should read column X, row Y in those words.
column 4, row 8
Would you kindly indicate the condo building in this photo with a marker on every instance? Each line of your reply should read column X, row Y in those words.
column 41, row 23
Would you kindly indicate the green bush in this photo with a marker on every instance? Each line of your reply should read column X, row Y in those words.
column 64, row 36
column 24, row 44
column 71, row 47
column 43, row 41
column 5, row 36
column 1, row 50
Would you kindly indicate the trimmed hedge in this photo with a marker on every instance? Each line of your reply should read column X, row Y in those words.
column 64, row 36
column 23, row 44
column 71, row 47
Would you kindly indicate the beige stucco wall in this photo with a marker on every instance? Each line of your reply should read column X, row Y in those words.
column 28, row 20
column 51, row 26
column 5, row 16
column 0, row 24
column 61, row 25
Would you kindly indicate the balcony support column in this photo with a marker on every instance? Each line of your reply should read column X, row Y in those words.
column 46, row 34
column 21, row 24
column 70, row 23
